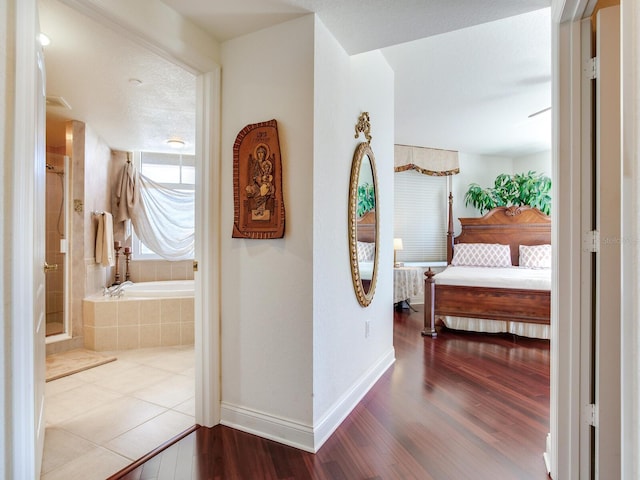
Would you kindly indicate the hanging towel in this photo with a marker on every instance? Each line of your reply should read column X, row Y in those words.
column 105, row 253
column 126, row 197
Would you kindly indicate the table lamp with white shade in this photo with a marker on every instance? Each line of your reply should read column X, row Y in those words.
column 397, row 245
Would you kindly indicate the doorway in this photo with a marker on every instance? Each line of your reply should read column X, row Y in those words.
column 205, row 104
column 56, row 228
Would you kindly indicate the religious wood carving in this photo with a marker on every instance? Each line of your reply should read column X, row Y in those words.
column 257, row 183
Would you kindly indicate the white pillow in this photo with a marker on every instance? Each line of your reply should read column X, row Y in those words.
column 535, row 256
column 481, row 255
column 366, row 251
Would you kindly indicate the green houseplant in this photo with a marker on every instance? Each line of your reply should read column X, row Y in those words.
column 531, row 188
column 366, row 198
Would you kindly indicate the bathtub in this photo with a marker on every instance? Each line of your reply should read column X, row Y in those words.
column 148, row 314
column 170, row 288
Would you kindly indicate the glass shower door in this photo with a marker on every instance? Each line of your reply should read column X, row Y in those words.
column 56, row 244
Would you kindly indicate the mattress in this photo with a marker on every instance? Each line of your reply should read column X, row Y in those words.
column 496, row 277
column 366, row 270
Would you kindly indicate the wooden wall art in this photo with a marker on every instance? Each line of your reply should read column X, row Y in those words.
column 257, row 183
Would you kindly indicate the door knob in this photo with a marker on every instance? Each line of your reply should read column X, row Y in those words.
column 50, row 268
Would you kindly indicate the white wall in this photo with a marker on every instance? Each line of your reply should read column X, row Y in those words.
column 480, row 169
column 538, row 162
column 159, row 28
column 345, row 363
column 267, row 285
column 295, row 359
column 483, row 170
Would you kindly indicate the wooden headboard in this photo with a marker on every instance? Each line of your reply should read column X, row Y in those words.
column 506, row 225
column 367, row 227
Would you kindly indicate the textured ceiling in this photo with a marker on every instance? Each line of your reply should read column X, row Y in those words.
column 473, row 90
column 359, row 25
column 470, row 89
column 93, row 69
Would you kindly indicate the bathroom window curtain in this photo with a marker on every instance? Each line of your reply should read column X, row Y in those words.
column 163, row 218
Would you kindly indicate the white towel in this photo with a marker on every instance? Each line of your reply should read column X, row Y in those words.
column 105, row 252
column 126, row 198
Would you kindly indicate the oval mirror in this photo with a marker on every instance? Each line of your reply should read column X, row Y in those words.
column 363, row 223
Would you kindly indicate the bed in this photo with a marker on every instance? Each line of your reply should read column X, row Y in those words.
column 366, row 243
column 493, row 292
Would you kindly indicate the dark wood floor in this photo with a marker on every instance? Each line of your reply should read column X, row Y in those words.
column 462, row 406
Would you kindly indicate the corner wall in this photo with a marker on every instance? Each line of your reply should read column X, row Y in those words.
column 267, row 289
column 295, row 359
column 346, row 362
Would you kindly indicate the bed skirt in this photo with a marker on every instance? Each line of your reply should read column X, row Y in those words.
column 522, row 329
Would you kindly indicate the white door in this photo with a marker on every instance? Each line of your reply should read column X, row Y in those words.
column 39, row 310
column 608, row 185
column 27, row 249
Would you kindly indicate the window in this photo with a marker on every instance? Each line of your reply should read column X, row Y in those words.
column 420, row 216
column 174, row 171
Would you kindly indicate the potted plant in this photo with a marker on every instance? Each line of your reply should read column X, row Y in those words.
column 531, row 189
column 366, row 198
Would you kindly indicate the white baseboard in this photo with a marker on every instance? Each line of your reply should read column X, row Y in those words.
column 298, row 435
column 332, row 419
column 547, row 454
column 267, row 426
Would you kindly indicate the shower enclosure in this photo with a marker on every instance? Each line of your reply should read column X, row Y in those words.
column 57, row 193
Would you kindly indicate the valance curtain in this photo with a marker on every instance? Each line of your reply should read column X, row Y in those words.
column 163, row 218
column 428, row 161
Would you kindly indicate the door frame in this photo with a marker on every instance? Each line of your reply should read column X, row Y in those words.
column 20, row 453
column 630, row 343
column 27, row 417
column 568, row 333
column 121, row 17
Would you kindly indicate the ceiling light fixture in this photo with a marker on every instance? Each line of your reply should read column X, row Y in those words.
column 44, row 39
column 175, row 143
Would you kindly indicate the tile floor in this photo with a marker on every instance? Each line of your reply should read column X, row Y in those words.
column 100, row 420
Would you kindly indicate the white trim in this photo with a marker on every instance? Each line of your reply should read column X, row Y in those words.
column 586, row 271
column 563, row 449
column 608, row 261
column 278, row 429
column 24, row 450
column 208, row 208
column 630, row 357
column 302, row 436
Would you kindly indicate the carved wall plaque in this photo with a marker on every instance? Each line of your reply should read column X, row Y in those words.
column 257, row 183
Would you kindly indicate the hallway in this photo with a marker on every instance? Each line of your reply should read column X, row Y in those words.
column 462, row 406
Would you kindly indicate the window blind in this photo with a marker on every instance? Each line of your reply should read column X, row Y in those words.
column 420, row 216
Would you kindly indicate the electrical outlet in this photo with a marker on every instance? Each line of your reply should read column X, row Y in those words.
column 367, row 328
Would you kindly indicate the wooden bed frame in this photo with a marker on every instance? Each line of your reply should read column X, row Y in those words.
column 367, row 227
column 366, row 231
column 506, row 225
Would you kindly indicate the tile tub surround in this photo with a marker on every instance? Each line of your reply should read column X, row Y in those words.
column 123, row 323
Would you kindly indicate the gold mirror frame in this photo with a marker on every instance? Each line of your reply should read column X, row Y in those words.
column 364, row 296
